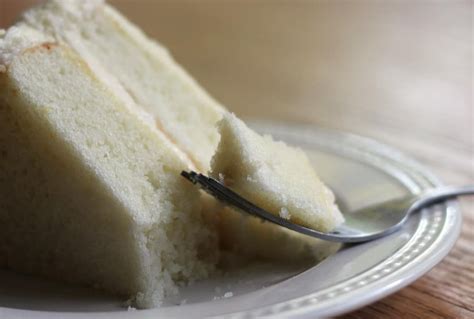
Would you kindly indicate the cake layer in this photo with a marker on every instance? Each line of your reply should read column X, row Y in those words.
column 140, row 70
column 274, row 176
column 88, row 193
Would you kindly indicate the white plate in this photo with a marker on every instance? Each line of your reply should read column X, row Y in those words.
column 361, row 171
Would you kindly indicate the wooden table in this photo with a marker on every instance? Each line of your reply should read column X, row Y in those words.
column 400, row 72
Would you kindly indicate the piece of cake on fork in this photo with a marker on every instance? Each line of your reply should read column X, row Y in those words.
column 272, row 175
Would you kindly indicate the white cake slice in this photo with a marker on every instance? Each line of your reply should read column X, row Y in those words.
column 147, row 79
column 96, row 124
column 89, row 193
column 273, row 175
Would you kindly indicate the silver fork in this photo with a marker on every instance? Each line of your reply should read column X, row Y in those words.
column 363, row 225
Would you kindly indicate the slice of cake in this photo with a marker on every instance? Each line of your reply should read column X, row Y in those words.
column 89, row 192
column 274, row 176
column 96, row 124
column 141, row 72
column 138, row 69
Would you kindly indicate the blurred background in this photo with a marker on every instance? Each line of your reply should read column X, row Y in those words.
column 398, row 71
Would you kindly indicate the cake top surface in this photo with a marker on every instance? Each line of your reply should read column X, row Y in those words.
column 273, row 175
column 18, row 38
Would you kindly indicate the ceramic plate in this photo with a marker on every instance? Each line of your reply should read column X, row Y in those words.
column 361, row 172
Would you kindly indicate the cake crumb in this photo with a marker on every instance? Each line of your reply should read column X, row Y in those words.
column 221, row 178
column 251, row 179
column 228, row 294
column 284, row 213
column 130, row 308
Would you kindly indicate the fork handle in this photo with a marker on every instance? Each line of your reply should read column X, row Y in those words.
column 440, row 193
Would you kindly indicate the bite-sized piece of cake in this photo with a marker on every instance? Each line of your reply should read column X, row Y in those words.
column 140, row 70
column 274, row 176
column 88, row 193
